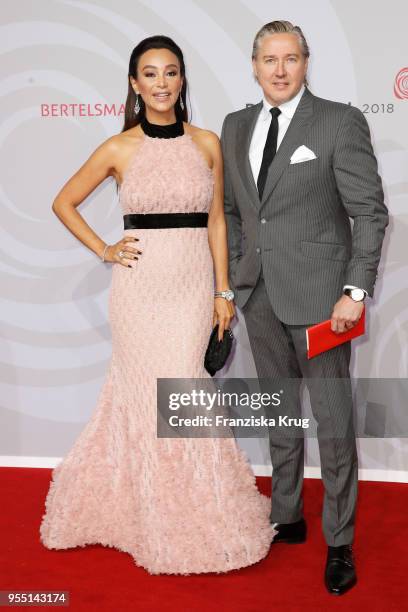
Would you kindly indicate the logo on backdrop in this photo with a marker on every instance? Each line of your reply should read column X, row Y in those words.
column 82, row 110
column 401, row 84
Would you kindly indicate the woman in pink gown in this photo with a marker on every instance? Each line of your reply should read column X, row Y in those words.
column 180, row 505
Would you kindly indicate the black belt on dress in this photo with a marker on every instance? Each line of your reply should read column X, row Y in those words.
column 164, row 220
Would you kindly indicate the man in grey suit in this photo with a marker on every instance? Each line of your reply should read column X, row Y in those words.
column 297, row 168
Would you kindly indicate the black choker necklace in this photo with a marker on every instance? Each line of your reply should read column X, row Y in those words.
column 162, row 131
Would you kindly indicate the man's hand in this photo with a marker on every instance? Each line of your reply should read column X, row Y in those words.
column 346, row 314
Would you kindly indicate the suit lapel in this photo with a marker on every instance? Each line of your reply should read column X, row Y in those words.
column 246, row 128
column 293, row 138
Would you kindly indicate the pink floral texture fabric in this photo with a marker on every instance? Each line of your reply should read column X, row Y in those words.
column 178, row 506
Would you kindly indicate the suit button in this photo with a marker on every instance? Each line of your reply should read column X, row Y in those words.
column 258, row 250
column 263, row 220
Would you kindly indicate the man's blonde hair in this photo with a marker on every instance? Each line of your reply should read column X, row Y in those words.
column 280, row 27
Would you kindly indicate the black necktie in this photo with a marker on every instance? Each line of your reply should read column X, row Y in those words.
column 269, row 150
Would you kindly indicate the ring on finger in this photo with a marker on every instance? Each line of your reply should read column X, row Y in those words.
column 121, row 253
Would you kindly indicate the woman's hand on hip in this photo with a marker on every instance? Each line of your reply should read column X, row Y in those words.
column 127, row 252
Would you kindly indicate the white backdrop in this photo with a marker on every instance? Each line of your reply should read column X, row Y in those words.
column 73, row 55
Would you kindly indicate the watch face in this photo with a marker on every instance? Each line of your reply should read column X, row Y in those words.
column 229, row 295
column 357, row 295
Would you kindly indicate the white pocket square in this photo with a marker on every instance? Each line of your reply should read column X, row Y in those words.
column 302, row 154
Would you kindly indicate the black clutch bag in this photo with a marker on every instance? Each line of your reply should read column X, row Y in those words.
column 217, row 352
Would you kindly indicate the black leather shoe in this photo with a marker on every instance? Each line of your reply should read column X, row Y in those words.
column 290, row 533
column 340, row 573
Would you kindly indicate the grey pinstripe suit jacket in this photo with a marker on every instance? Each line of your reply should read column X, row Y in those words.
column 300, row 231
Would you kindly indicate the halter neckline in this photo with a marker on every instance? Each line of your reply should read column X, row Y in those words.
column 162, row 131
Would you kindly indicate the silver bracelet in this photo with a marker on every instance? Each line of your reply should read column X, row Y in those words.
column 104, row 252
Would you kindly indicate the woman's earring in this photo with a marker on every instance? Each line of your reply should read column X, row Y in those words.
column 137, row 105
column 181, row 102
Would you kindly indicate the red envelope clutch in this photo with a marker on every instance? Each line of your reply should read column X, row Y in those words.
column 321, row 338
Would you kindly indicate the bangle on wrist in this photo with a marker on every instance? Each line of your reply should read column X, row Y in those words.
column 104, row 252
column 227, row 294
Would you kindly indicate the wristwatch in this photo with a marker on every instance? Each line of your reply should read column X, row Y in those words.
column 228, row 294
column 357, row 295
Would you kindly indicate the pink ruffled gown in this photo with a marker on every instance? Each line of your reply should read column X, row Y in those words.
column 178, row 506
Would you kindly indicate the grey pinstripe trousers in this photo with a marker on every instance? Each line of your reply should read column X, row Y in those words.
column 279, row 351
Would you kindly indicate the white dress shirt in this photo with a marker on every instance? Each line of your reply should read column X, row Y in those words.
column 260, row 134
column 262, row 127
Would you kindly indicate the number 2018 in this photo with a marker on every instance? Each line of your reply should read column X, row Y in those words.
column 378, row 108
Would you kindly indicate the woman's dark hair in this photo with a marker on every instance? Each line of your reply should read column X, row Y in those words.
column 153, row 42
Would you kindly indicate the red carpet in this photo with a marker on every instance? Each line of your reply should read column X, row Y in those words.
column 290, row 578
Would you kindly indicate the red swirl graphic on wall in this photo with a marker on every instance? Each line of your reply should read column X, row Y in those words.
column 401, row 84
